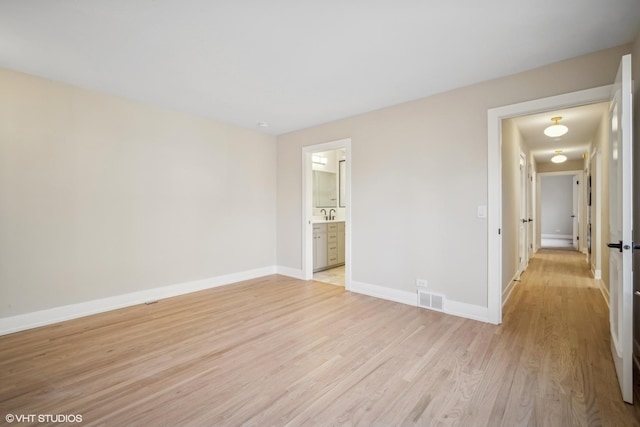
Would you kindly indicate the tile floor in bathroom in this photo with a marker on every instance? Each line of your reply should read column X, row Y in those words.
column 333, row 276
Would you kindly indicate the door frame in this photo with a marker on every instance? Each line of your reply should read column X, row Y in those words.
column 494, row 182
column 596, row 211
column 578, row 201
column 307, row 207
column 523, row 228
column 532, row 202
column 575, row 212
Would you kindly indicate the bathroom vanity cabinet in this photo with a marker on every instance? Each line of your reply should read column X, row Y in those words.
column 328, row 245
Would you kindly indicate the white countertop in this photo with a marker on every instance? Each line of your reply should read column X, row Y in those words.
column 325, row 221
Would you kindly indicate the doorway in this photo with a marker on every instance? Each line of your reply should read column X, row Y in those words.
column 594, row 202
column 561, row 207
column 326, row 227
column 328, row 206
column 614, row 134
column 495, row 181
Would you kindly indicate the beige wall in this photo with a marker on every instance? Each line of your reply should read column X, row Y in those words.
column 101, row 196
column 419, row 170
column 600, row 174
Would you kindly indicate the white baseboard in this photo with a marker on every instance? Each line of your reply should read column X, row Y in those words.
column 604, row 291
column 383, row 292
column 557, row 236
column 454, row 308
column 289, row 272
column 468, row 311
column 510, row 287
column 35, row 319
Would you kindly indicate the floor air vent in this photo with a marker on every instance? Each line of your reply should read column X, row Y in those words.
column 430, row 300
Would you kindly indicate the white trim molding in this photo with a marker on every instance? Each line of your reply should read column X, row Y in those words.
column 307, row 207
column 557, row 236
column 510, row 287
column 604, row 291
column 451, row 307
column 35, row 319
column 494, row 178
column 296, row 273
column 382, row 292
column 468, row 311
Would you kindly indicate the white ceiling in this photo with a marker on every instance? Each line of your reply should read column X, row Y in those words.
column 582, row 122
column 298, row 63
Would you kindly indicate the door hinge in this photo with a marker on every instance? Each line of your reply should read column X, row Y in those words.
column 498, row 231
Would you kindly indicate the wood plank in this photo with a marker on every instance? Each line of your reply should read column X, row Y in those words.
column 280, row 351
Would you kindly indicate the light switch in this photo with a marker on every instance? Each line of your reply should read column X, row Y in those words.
column 482, row 211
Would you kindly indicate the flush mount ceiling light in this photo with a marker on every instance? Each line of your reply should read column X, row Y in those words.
column 559, row 157
column 556, row 129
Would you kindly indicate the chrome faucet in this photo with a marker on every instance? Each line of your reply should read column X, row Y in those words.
column 325, row 213
column 332, row 217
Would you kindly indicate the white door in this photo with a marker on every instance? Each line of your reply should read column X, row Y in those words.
column 522, row 240
column 575, row 212
column 620, row 227
column 530, row 215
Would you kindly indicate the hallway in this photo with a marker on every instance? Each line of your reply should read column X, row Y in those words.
column 560, row 353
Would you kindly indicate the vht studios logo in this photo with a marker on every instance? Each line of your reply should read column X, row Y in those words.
column 43, row 418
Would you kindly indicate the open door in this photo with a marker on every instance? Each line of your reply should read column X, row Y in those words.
column 620, row 227
column 575, row 216
column 523, row 222
column 530, row 211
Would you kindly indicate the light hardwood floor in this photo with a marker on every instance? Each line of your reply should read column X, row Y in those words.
column 279, row 351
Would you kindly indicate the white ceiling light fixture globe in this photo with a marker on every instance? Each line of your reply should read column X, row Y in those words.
column 556, row 129
column 559, row 157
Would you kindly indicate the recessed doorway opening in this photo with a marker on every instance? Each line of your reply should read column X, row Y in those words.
column 495, row 117
column 326, row 235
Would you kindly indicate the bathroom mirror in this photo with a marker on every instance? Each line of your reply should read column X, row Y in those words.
column 325, row 189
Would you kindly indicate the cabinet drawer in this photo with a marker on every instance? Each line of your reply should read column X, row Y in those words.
column 332, row 248
column 333, row 259
column 332, row 237
column 319, row 227
column 332, row 226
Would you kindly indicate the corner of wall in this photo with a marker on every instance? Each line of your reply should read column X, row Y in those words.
column 296, row 273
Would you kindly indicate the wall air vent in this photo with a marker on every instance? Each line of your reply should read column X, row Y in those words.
column 430, row 300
